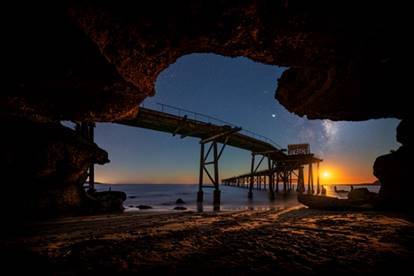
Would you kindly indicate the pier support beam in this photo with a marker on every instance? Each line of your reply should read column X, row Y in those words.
column 250, row 194
column 253, row 170
column 203, row 166
column 318, row 188
column 216, row 193
column 215, row 178
column 270, row 164
column 301, row 181
column 310, row 179
column 216, row 199
column 200, row 193
column 277, row 182
column 285, row 181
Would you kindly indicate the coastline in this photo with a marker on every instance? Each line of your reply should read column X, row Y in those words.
column 163, row 197
column 235, row 242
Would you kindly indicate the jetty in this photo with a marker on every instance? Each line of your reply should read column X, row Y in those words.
column 284, row 167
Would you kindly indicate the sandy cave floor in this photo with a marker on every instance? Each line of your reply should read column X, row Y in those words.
column 243, row 242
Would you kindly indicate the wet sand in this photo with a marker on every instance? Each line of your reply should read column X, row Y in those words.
column 294, row 240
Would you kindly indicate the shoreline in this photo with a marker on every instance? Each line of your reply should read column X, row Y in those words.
column 235, row 242
column 195, row 184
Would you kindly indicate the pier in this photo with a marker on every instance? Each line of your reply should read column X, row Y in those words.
column 283, row 172
column 282, row 175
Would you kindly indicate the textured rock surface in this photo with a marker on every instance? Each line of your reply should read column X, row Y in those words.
column 108, row 201
column 394, row 172
column 336, row 53
column 55, row 72
column 44, row 168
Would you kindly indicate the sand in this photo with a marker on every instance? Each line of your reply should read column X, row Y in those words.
column 293, row 240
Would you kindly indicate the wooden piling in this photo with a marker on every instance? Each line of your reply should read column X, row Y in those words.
column 200, row 194
column 250, row 194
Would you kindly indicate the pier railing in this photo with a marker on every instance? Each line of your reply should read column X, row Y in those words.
column 178, row 111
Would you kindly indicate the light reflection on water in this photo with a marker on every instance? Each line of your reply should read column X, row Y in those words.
column 330, row 189
column 162, row 197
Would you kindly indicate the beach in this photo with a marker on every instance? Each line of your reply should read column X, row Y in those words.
column 284, row 241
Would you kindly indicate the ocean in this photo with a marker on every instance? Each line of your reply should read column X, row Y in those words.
column 162, row 197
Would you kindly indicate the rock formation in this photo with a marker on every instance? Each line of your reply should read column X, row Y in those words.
column 106, row 201
column 105, row 57
column 97, row 60
column 44, row 168
column 394, row 172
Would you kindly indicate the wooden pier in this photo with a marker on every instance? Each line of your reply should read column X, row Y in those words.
column 282, row 175
column 214, row 134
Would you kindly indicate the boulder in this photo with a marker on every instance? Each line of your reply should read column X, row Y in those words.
column 179, row 201
column 144, row 207
column 108, row 201
column 362, row 194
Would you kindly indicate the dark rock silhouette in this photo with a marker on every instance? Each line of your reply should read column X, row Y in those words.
column 107, row 201
column 104, row 58
column 179, row 201
column 362, row 194
column 358, row 199
column 340, row 191
column 144, row 207
column 182, row 208
column 394, row 172
column 44, row 166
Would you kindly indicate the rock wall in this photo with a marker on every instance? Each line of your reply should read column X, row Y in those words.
column 55, row 72
column 336, row 52
column 104, row 57
column 44, row 168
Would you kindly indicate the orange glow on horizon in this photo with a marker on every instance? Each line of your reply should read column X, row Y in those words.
column 333, row 174
column 330, row 173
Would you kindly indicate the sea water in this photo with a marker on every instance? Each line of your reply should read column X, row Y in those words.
column 162, row 197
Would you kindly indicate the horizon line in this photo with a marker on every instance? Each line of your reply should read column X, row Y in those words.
column 376, row 183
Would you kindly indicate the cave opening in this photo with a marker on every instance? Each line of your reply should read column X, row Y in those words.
column 240, row 91
column 93, row 62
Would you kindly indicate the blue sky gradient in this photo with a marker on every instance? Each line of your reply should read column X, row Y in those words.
column 241, row 91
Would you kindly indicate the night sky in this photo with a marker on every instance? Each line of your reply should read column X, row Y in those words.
column 240, row 91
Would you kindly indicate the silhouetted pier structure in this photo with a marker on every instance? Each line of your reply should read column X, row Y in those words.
column 215, row 135
column 281, row 176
